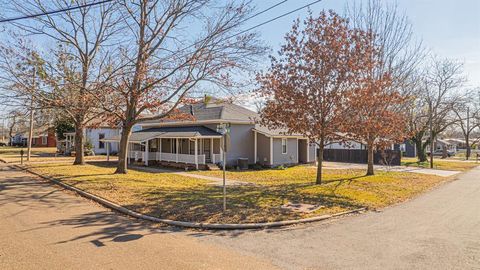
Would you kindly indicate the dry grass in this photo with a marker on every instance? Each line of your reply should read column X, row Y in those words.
column 39, row 154
column 441, row 164
column 178, row 197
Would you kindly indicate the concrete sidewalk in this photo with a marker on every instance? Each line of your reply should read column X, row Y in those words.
column 340, row 165
column 217, row 181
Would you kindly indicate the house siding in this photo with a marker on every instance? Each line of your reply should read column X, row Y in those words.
column 263, row 149
column 290, row 157
column 92, row 135
column 241, row 143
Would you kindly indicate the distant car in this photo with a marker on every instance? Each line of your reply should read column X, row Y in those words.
column 439, row 153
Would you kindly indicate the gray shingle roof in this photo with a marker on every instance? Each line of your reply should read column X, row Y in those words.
column 273, row 132
column 216, row 110
column 168, row 132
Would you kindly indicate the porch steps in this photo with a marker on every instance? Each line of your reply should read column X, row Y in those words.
column 212, row 167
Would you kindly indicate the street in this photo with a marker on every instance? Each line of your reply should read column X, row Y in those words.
column 437, row 230
column 43, row 227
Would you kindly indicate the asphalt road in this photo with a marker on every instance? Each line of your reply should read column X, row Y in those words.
column 438, row 230
column 43, row 227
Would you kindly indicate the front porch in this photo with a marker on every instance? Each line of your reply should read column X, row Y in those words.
column 184, row 147
column 186, row 151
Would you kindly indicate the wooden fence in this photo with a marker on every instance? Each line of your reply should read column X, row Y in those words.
column 383, row 157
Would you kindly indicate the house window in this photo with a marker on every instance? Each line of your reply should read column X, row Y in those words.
column 101, row 144
column 284, row 146
column 44, row 140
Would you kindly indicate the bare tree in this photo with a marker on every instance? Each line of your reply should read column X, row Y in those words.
column 167, row 58
column 16, row 121
column 399, row 53
column 467, row 114
column 443, row 82
column 72, row 69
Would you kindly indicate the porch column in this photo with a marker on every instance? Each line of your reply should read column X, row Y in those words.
column 196, row 154
column 254, row 147
column 176, row 150
column 212, row 159
column 308, row 150
column 108, row 150
column 298, row 151
column 271, row 150
column 146, row 153
column 160, row 152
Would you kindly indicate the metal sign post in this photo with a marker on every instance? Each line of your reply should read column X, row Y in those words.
column 21, row 156
column 224, row 129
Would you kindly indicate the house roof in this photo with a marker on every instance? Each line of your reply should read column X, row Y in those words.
column 215, row 110
column 274, row 132
column 168, row 132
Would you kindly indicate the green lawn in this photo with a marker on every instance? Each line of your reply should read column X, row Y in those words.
column 441, row 164
column 178, row 197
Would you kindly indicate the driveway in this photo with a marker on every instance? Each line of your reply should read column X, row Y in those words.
column 438, row 230
column 43, row 227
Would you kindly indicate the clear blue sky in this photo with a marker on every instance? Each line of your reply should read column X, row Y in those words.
column 449, row 28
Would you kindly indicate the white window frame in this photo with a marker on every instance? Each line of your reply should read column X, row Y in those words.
column 44, row 140
column 286, row 146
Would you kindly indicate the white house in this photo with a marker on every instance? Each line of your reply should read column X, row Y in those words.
column 93, row 136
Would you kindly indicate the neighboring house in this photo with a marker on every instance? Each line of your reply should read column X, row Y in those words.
column 407, row 148
column 40, row 138
column 93, row 136
column 19, row 139
column 440, row 144
column 458, row 143
column 346, row 145
column 197, row 142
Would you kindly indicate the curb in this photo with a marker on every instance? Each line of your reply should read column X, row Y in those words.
column 185, row 224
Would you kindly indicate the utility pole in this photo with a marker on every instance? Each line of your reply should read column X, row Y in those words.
column 30, row 133
column 430, row 110
column 3, row 130
column 467, row 139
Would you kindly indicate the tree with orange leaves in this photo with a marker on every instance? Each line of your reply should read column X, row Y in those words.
column 306, row 86
column 371, row 115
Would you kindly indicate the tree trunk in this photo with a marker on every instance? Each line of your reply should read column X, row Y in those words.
column 320, row 163
column 79, row 147
column 122, row 166
column 469, row 149
column 370, row 159
column 422, row 156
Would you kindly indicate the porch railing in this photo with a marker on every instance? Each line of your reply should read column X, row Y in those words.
column 216, row 158
column 172, row 157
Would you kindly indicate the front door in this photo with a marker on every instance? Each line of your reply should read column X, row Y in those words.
column 206, row 150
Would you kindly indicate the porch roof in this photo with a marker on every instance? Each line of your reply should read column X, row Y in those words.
column 168, row 132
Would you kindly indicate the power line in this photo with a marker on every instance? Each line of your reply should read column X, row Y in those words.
column 274, row 19
column 260, row 24
column 55, row 11
column 243, row 21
